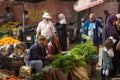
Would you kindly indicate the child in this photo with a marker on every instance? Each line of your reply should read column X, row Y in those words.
column 107, row 57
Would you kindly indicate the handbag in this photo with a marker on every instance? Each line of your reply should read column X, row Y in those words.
column 118, row 46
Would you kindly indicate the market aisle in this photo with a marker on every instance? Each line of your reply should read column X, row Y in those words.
column 96, row 75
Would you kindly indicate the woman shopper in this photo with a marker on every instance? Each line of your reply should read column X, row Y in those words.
column 61, row 31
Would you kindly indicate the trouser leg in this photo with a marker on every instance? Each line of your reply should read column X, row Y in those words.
column 37, row 65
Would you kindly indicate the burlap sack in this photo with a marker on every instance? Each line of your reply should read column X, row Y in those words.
column 79, row 73
column 54, row 74
column 24, row 71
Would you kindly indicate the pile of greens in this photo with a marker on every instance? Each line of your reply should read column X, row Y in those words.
column 66, row 62
column 80, row 55
column 85, row 50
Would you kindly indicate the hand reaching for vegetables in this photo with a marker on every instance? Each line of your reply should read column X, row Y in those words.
column 49, row 56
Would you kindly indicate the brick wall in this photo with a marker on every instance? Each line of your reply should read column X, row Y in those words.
column 111, row 6
column 54, row 7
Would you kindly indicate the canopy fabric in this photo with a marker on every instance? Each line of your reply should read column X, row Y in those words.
column 85, row 4
column 31, row 1
column 1, row 0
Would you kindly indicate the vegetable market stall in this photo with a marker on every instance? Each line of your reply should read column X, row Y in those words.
column 12, row 54
column 6, row 28
column 78, row 64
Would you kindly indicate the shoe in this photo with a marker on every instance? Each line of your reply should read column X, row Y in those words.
column 103, row 76
column 107, row 78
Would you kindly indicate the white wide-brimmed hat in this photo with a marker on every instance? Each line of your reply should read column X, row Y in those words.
column 46, row 15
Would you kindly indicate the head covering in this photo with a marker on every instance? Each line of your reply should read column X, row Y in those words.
column 111, row 29
column 41, row 37
column 46, row 15
column 7, row 9
column 62, row 18
column 114, row 40
column 118, row 16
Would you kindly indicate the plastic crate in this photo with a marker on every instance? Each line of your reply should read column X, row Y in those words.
column 12, row 64
column 3, row 34
column 15, row 32
column 29, row 39
column 29, row 31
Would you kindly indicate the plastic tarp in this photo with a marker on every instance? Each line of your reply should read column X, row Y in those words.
column 85, row 4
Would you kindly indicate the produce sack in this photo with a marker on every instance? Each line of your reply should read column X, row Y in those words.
column 24, row 72
column 54, row 74
column 78, row 73
column 88, row 68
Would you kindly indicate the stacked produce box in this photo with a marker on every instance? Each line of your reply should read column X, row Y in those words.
column 6, row 28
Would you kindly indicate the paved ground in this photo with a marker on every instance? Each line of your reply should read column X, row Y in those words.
column 97, row 76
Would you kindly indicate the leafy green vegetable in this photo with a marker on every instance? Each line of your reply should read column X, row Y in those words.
column 66, row 62
column 36, row 76
column 86, row 50
column 79, row 56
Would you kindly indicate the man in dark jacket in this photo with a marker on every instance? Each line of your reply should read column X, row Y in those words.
column 37, row 54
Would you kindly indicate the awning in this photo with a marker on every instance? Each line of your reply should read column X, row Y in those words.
column 31, row 1
column 85, row 4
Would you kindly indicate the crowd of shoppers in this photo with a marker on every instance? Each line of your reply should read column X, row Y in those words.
column 48, row 43
column 101, row 31
column 109, row 28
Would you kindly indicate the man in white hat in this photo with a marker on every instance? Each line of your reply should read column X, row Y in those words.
column 45, row 27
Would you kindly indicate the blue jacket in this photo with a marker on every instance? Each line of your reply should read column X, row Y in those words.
column 95, row 34
column 36, row 52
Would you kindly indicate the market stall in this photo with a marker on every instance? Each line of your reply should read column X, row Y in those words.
column 13, row 49
column 12, row 55
column 77, row 64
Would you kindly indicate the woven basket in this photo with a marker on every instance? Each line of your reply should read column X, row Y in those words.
column 11, row 63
